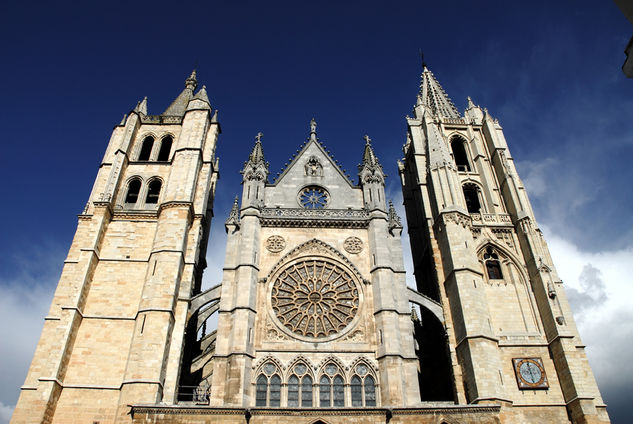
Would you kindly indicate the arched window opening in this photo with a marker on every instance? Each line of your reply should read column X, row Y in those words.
column 293, row 391
column 275, row 390
column 370, row 391
column 357, row 391
column 471, row 194
column 339, row 391
column 146, row 148
column 261, row 391
column 165, row 149
column 493, row 266
column 459, row 153
column 325, row 386
column 306, row 391
column 153, row 192
column 132, row 191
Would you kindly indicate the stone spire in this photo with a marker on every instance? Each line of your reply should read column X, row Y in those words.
column 433, row 96
column 256, row 168
column 234, row 216
column 393, row 218
column 179, row 106
column 141, row 106
column 370, row 169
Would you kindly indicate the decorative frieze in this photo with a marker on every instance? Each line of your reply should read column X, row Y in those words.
column 300, row 217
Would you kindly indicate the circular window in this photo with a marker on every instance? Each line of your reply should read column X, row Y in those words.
column 314, row 197
column 315, row 298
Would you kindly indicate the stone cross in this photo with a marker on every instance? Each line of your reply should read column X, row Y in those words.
column 367, row 139
column 259, row 136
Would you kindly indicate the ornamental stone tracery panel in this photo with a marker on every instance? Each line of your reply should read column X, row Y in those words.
column 315, row 298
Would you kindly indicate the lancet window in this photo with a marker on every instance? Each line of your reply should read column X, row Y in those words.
column 165, row 149
column 133, row 189
column 300, row 387
column 493, row 266
column 268, row 386
column 471, row 195
column 331, row 387
column 146, row 148
column 363, row 387
column 153, row 192
column 459, row 154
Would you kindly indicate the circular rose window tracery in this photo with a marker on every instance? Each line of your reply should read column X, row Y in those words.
column 315, row 298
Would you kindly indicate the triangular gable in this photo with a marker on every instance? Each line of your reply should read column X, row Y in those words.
column 302, row 157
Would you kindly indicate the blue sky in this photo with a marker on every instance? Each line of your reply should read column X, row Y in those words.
column 550, row 74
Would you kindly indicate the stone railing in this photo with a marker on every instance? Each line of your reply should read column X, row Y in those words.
column 160, row 119
column 491, row 219
column 314, row 217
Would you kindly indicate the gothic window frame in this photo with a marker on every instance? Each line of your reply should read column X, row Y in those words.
column 163, row 140
column 268, row 377
column 362, row 370
column 302, row 371
column 473, row 187
column 143, row 151
column 126, row 194
column 467, row 166
column 155, row 196
column 332, row 386
column 279, row 315
column 492, row 263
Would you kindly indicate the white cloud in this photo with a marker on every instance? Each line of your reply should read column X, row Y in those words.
column 599, row 288
column 5, row 413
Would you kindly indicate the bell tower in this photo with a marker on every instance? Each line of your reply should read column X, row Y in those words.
column 477, row 250
column 114, row 334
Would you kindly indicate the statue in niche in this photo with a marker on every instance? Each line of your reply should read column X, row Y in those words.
column 313, row 167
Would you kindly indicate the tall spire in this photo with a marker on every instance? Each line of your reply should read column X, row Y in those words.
column 433, row 96
column 179, row 106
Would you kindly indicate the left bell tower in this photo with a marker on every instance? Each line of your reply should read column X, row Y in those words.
column 115, row 331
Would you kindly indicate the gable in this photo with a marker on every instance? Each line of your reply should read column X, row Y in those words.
column 313, row 166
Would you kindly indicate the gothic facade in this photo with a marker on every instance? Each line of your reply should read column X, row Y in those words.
column 314, row 317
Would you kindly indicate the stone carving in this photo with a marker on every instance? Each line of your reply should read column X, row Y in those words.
column 315, row 298
column 313, row 167
column 299, row 217
column 353, row 245
column 275, row 244
column 355, row 336
column 393, row 218
column 272, row 334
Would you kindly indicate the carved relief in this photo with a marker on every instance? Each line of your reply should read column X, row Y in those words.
column 272, row 334
column 353, row 245
column 275, row 244
column 313, row 167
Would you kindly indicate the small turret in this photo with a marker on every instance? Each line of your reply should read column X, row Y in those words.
column 372, row 178
column 255, row 175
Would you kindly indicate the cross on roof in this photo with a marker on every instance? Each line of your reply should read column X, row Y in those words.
column 259, row 136
column 367, row 139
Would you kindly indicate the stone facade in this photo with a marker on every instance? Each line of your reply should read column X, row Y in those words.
column 314, row 319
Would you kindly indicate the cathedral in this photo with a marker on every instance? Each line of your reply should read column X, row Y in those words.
column 313, row 322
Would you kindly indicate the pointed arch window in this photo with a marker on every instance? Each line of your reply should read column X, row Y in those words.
column 363, row 387
column 331, row 387
column 471, row 195
column 268, row 386
column 133, row 189
column 146, row 148
column 165, row 149
column 300, row 388
column 459, row 154
column 493, row 266
column 153, row 192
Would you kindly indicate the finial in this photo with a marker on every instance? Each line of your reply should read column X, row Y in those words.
column 367, row 140
column 422, row 59
column 313, row 126
column 191, row 82
column 258, row 137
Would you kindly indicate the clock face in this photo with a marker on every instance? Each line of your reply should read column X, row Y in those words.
column 530, row 373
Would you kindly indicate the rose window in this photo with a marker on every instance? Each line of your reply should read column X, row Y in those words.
column 314, row 197
column 315, row 298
